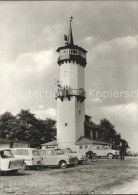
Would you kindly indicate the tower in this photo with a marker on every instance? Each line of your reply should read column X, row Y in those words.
column 71, row 93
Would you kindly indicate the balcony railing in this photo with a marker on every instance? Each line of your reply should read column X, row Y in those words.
column 70, row 92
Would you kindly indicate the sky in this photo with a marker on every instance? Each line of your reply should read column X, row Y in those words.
column 30, row 33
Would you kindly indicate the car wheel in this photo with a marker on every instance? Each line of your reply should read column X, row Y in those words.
column 94, row 158
column 38, row 168
column 80, row 162
column 63, row 164
column 77, row 162
column 24, row 166
column 110, row 155
column 89, row 154
column 13, row 171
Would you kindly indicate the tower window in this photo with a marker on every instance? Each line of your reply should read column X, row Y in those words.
column 79, row 112
column 80, row 147
column 66, row 124
column 65, row 51
column 82, row 54
column 74, row 51
column 86, row 146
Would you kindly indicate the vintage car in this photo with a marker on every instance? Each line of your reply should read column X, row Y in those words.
column 54, row 157
column 8, row 162
column 104, row 151
column 31, row 157
column 79, row 155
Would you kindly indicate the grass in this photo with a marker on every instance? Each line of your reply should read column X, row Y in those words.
column 99, row 177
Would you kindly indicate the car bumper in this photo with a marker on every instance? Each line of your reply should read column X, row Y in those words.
column 73, row 161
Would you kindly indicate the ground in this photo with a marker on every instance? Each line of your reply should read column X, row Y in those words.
column 102, row 177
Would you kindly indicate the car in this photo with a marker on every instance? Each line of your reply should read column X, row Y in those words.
column 104, row 151
column 8, row 163
column 31, row 157
column 81, row 156
column 54, row 157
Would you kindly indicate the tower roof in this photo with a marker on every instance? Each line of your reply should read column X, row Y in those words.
column 69, row 43
column 70, row 37
column 70, row 52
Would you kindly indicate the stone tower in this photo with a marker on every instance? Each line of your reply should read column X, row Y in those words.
column 71, row 93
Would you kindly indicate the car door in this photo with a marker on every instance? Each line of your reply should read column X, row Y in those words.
column 100, row 150
column 46, row 157
column 36, row 157
column 23, row 153
column 94, row 149
column 43, row 156
column 50, row 158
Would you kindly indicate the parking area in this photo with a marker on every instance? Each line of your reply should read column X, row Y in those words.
column 103, row 176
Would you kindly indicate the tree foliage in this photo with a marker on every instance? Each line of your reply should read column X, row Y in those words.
column 108, row 133
column 26, row 127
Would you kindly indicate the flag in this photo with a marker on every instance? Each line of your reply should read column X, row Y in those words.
column 65, row 37
column 71, row 19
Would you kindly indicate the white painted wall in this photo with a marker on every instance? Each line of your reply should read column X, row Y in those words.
column 21, row 145
column 75, row 76
column 5, row 145
column 71, row 112
column 68, row 112
column 79, row 118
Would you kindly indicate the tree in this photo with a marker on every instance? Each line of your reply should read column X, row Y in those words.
column 36, row 130
column 26, row 127
column 109, row 134
column 107, row 130
column 9, row 125
column 47, row 130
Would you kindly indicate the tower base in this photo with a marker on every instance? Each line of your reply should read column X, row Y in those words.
column 70, row 145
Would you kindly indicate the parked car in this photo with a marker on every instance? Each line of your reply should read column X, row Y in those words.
column 104, row 151
column 54, row 157
column 8, row 162
column 31, row 157
column 79, row 155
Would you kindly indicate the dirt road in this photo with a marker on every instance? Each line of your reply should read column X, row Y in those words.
column 103, row 177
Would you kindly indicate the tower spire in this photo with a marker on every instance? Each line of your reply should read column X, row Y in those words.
column 70, row 37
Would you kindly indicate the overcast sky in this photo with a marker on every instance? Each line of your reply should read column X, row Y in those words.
column 30, row 33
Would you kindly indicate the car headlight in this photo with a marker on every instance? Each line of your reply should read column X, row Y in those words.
column 71, row 157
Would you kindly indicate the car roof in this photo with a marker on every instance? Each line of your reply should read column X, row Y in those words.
column 2, row 149
column 24, row 148
column 51, row 149
column 48, row 149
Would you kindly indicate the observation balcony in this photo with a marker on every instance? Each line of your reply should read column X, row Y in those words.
column 75, row 54
column 64, row 92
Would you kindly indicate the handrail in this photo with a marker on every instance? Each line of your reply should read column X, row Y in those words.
column 70, row 92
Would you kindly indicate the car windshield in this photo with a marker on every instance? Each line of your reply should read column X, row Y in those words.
column 68, row 150
column 59, row 151
column 6, row 154
column 35, row 153
column 106, row 147
column 42, row 153
column 23, row 152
